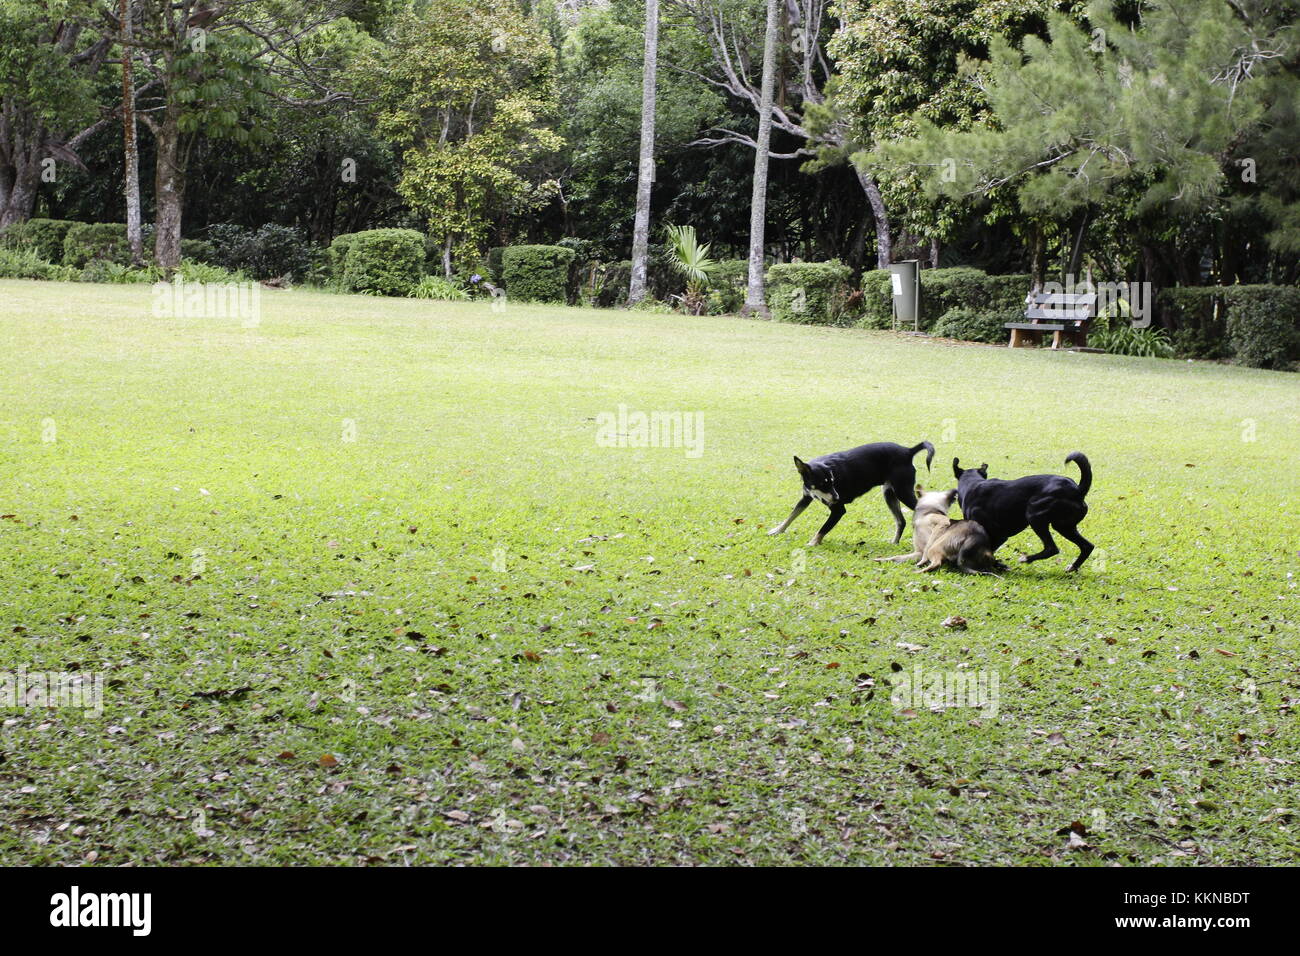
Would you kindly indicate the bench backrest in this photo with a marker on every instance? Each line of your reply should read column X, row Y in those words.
column 1057, row 306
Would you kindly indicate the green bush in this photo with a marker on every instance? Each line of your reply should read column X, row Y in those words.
column 43, row 236
column 88, row 241
column 975, row 325
column 728, row 281
column 336, row 255
column 1256, row 325
column 942, row 290
column 536, row 273
column 877, row 300
column 812, row 293
column 1264, row 325
column 1126, row 340
column 384, row 261
column 198, row 250
column 267, row 252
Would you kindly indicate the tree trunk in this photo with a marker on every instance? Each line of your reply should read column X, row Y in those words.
column 1076, row 253
column 755, row 299
column 22, row 193
column 884, row 243
column 130, row 146
column 169, row 189
column 646, row 171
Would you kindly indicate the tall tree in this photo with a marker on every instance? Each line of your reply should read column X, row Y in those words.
column 646, row 168
column 755, row 301
column 130, row 147
column 803, row 108
column 1153, row 115
column 48, row 65
column 211, row 66
column 468, row 96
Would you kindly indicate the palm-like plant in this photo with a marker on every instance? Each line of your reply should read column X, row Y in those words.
column 692, row 262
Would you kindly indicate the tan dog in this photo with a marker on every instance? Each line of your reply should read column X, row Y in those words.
column 966, row 546
column 928, row 520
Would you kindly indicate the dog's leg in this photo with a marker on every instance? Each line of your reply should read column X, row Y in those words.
column 900, row 558
column 891, row 499
column 837, row 512
column 804, row 502
column 1042, row 528
column 1085, row 546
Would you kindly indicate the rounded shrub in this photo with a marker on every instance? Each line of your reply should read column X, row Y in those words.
column 812, row 293
column 87, row 242
column 974, row 325
column 536, row 273
column 384, row 261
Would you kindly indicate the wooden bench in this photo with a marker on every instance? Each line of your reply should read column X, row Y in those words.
column 1065, row 314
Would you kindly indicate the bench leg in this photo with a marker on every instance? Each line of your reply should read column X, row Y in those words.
column 1056, row 340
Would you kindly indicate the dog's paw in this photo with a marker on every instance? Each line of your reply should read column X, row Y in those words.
column 1023, row 559
column 775, row 531
column 814, row 541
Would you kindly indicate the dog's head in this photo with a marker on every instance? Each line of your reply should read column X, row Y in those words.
column 818, row 480
column 934, row 502
column 958, row 470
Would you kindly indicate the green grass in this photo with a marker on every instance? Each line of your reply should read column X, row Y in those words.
column 522, row 647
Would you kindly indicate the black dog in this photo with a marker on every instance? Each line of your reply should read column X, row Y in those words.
column 1041, row 502
column 837, row 479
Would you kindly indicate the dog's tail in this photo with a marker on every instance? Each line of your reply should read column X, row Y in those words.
column 1085, row 471
column 929, row 452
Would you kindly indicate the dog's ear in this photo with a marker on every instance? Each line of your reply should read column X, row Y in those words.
column 952, row 496
column 956, row 468
column 800, row 465
column 984, row 469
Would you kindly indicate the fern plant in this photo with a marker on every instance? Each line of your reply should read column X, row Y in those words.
column 436, row 287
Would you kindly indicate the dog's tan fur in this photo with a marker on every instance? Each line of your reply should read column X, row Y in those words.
column 929, row 519
column 965, row 546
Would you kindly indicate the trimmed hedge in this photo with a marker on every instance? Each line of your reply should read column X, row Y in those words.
column 943, row 290
column 975, row 325
column 45, row 237
column 812, row 293
column 1256, row 325
column 386, row 261
column 536, row 273
column 86, row 242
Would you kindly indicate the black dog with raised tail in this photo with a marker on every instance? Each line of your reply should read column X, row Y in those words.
column 839, row 478
column 1042, row 502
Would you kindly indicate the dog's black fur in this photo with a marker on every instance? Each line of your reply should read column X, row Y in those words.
column 842, row 477
column 1041, row 502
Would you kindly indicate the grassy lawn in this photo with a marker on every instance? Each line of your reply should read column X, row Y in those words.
column 365, row 588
